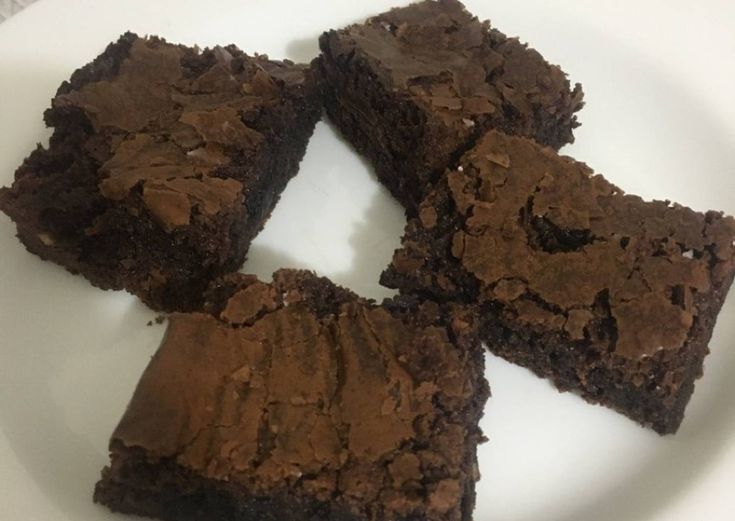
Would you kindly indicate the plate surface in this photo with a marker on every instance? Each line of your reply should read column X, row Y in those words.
column 659, row 121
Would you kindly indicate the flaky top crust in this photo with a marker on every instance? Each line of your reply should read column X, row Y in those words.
column 170, row 120
column 274, row 392
column 553, row 243
column 462, row 70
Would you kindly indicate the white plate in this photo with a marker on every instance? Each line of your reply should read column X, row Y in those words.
column 660, row 122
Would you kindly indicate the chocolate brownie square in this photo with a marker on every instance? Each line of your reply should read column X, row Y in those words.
column 297, row 400
column 414, row 87
column 165, row 161
column 604, row 293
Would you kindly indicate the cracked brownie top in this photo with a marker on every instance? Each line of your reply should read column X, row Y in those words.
column 173, row 119
column 300, row 385
column 464, row 71
column 517, row 226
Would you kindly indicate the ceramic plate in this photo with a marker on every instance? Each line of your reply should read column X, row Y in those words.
column 659, row 122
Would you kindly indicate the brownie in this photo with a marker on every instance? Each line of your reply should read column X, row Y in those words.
column 164, row 162
column 604, row 293
column 414, row 87
column 297, row 400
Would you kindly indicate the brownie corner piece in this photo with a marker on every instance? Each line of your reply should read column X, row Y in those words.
column 412, row 88
column 297, row 400
column 164, row 163
column 606, row 294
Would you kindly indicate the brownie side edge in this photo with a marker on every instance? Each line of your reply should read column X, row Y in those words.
column 168, row 491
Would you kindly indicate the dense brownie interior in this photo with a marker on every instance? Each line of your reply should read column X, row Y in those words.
column 165, row 161
column 414, row 87
column 602, row 292
column 298, row 400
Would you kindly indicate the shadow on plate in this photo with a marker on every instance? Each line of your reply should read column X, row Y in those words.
column 373, row 240
column 59, row 367
column 303, row 50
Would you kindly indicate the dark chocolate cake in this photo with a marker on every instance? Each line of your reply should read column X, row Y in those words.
column 603, row 293
column 414, row 87
column 297, row 400
column 165, row 161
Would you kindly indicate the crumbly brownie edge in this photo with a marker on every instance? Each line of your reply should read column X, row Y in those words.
column 321, row 295
column 284, row 151
column 168, row 491
column 550, row 357
column 408, row 147
column 186, row 292
column 404, row 304
column 374, row 122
